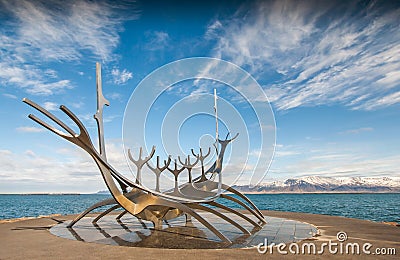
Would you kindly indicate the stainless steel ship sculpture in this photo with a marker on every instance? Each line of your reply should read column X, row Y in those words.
column 189, row 199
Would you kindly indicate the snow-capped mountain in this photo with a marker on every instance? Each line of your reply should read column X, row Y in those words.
column 311, row 184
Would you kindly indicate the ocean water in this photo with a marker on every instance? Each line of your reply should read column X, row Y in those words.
column 375, row 207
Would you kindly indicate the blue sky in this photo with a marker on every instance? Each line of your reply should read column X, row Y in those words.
column 331, row 71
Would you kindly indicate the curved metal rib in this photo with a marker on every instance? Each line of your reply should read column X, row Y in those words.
column 88, row 210
column 121, row 215
column 219, row 214
column 105, row 213
column 243, row 205
column 216, row 204
column 228, row 188
column 157, row 201
column 49, row 115
column 211, row 185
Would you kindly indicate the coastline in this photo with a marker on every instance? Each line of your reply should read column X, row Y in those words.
column 323, row 192
column 12, row 220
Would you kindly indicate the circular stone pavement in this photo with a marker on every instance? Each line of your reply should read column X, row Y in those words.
column 132, row 232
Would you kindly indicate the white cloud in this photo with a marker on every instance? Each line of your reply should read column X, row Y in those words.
column 50, row 73
column 121, row 77
column 286, row 151
column 334, row 160
column 10, row 95
column 29, row 129
column 24, row 172
column 213, row 30
column 348, row 166
column 358, row 130
column 110, row 118
column 30, row 153
column 30, row 171
column 114, row 96
column 78, row 104
column 375, row 103
column 390, row 78
column 316, row 52
column 50, row 106
column 157, row 40
column 5, row 152
column 29, row 78
column 56, row 31
column 60, row 30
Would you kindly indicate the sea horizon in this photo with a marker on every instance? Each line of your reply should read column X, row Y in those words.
column 246, row 193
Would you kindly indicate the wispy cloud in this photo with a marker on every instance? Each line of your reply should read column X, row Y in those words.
column 115, row 96
column 157, row 40
column 346, row 166
column 56, row 31
column 10, row 95
column 316, row 52
column 285, row 153
column 29, row 77
column 29, row 129
column 60, row 30
column 78, row 104
column 121, row 77
column 30, row 171
column 330, row 161
column 5, row 152
column 50, row 106
column 358, row 130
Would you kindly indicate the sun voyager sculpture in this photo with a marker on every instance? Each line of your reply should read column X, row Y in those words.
column 190, row 199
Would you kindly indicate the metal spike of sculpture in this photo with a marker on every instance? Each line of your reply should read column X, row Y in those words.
column 140, row 162
column 175, row 171
column 189, row 166
column 202, row 158
column 158, row 170
column 153, row 205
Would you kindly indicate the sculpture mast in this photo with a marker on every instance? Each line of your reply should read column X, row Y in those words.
column 218, row 161
column 216, row 115
column 101, row 101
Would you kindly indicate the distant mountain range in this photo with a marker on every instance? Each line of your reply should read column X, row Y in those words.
column 315, row 184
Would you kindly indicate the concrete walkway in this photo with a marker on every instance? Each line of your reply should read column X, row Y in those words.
column 31, row 239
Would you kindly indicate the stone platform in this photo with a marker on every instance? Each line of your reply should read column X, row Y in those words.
column 31, row 239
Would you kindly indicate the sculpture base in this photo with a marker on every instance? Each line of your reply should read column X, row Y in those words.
column 178, row 233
